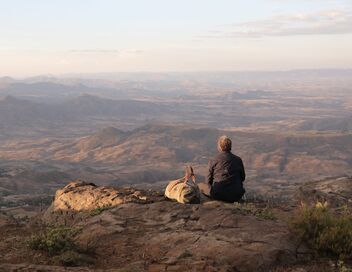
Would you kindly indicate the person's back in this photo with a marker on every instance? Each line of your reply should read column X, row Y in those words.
column 226, row 174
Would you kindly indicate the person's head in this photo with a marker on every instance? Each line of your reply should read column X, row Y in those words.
column 224, row 144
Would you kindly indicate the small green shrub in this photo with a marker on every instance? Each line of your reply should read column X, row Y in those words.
column 328, row 232
column 59, row 243
column 54, row 241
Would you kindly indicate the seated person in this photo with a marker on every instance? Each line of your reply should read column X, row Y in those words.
column 226, row 173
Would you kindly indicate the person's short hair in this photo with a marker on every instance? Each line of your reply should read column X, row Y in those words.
column 224, row 143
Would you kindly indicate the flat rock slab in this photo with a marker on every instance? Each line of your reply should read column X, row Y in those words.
column 167, row 236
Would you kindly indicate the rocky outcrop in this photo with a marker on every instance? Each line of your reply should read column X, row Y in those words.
column 159, row 235
column 83, row 196
column 336, row 191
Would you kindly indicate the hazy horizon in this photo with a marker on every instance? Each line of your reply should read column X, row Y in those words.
column 65, row 37
column 176, row 75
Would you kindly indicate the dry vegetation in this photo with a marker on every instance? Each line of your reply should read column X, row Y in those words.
column 327, row 231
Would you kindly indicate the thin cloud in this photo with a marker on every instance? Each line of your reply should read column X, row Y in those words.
column 322, row 23
column 94, row 51
column 120, row 52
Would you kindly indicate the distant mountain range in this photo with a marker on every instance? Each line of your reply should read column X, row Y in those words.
column 185, row 75
column 93, row 105
column 48, row 91
column 64, row 106
column 16, row 112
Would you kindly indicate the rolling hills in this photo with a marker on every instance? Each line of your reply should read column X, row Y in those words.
column 154, row 153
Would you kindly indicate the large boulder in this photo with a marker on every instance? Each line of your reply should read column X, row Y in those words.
column 82, row 196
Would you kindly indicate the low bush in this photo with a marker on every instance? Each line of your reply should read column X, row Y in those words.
column 327, row 231
column 59, row 243
column 54, row 241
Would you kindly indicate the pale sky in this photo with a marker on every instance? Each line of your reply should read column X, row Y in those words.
column 90, row 36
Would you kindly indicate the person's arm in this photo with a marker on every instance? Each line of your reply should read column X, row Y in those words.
column 243, row 172
column 210, row 175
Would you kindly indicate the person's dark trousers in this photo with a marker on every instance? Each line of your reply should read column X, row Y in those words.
column 227, row 191
column 209, row 192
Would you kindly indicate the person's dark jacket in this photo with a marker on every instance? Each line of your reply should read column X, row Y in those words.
column 226, row 176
